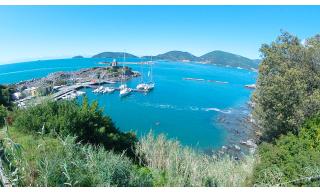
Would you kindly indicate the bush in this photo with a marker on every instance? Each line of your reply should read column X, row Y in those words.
column 288, row 85
column 3, row 115
column 85, row 121
column 174, row 165
column 292, row 159
column 5, row 95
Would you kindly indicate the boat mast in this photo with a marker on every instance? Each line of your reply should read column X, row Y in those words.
column 124, row 58
column 151, row 71
column 141, row 67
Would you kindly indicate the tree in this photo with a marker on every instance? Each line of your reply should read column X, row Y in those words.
column 288, row 85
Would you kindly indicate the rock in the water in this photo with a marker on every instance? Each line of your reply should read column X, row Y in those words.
column 237, row 147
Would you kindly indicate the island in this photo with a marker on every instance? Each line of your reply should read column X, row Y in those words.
column 66, row 85
column 78, row 57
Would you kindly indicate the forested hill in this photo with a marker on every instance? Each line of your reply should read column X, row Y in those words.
column 225, row 58
column 114, row 55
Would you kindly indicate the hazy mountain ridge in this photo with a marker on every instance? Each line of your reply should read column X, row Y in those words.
column 215, row 57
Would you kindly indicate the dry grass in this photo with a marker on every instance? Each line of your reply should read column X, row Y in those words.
column 174, row 165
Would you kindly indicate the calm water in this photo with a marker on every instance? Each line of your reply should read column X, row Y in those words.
column 186, row 110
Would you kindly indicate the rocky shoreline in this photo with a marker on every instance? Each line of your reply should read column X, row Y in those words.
column 242, row 132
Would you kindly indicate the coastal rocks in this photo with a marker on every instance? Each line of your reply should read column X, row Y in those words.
column 237, row 147
column 249, row 143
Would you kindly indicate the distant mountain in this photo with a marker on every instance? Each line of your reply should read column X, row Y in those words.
column 177, row 56
column 77, row 57
column 215, row 57
column 113, row 55
column 228, row 59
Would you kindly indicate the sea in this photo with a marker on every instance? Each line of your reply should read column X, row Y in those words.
column 204, row 112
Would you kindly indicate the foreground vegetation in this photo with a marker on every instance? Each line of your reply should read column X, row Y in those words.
column 73, row 144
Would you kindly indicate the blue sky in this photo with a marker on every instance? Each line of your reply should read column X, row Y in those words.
column 36, row 32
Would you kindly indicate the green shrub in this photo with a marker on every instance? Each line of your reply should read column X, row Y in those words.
column 85, row 121
column 174, row 165
column 3, row 115
column 5, row 95
column 292, row 158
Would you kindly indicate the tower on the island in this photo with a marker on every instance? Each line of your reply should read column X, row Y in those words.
column 114, row 63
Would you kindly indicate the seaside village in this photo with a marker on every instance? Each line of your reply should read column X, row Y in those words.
column 68, row 85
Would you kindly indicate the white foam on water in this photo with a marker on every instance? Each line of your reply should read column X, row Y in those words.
column 217, row 110
column 192, row 108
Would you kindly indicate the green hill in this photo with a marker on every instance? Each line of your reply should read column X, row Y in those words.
column 225, row 58
column 113, row 55
column 176, row 56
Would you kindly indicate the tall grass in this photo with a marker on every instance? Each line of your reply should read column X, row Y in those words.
column 63, row 162
column 45, row 161
column 174, row 165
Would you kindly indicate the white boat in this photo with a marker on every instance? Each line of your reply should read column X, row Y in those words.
column 79, row 93
column 109, row 89
column 97, row 90
column 122, row 86
column 124, row 92
column 147, row 86
column 251, row 86
column 141, row 86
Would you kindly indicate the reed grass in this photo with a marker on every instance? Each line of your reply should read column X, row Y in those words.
column 172, row 164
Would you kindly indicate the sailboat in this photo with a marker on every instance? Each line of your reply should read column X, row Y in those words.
column 124, row 90
column 147, row 86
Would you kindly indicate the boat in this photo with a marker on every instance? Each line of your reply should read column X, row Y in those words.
column 124, row 92
column 109, row 89
column 80, row 93
column 98, row 90
column 147, row 86
column 252, row 86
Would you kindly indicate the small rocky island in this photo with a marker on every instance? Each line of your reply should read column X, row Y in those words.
column 59, row 84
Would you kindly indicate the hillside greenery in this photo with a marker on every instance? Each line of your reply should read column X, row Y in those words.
column 5, row 95
column 293, row 160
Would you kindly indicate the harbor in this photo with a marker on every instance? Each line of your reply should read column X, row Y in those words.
column 68, row 85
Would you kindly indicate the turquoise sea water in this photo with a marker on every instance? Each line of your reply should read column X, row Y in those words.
column 182, row 109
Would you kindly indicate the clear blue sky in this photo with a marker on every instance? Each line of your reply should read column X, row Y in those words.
column 32, row 32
